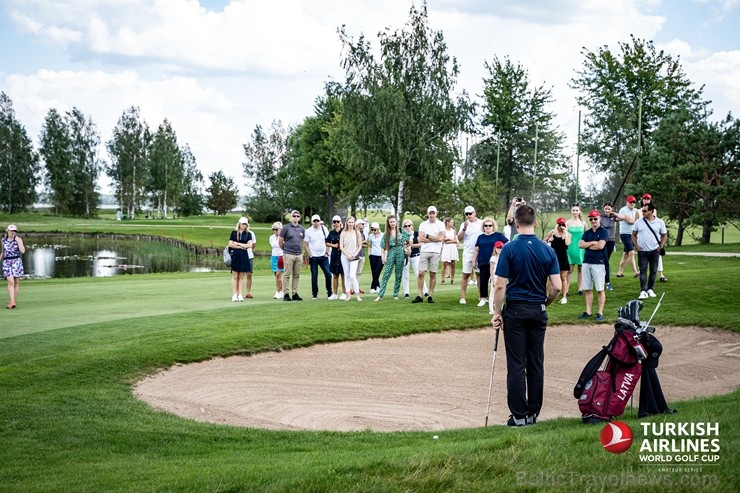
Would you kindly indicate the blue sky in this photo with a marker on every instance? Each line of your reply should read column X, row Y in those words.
column 217, row 68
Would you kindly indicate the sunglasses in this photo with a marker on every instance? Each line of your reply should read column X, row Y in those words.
column 468, row 213
column 315, row 220
column 408, row 225
column 592, row 219
column 274, row 229
column 488, row 225
column 632, row 201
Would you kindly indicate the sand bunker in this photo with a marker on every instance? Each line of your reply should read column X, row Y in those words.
column 421, row 382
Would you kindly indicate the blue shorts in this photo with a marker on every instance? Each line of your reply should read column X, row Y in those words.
column 274, row 264
column 627, row 242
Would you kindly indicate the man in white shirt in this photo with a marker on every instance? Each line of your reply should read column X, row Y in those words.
column 649, row 235
column 626, row 218
column 431, row 237
column 470, row 229
column 316, row 250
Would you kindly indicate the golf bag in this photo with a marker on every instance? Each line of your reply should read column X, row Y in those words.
column 603, row 394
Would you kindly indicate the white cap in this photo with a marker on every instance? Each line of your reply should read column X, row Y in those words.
column 361, row 221
column 315, row 217
column 294, row 212
column 375, row 226
column 431, row 208
column 243, row 220
column 336, row 218
column 12, row 227
column 469, row 209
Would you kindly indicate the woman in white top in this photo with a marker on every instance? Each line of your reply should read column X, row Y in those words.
column 350, row 244
column 376, row 256
column 276, row 259
column 450, row 254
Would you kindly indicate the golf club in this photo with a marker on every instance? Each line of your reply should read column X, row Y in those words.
column 490, row 383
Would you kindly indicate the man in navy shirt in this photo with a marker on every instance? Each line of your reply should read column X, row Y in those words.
column 523, row 268
column 594, row 268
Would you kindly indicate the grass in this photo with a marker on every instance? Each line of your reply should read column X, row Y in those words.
column 71, row 352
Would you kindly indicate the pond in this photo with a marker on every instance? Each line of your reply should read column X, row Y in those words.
column 73, row 256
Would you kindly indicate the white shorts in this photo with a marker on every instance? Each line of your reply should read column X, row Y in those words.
column 429, row 261
column 467, row 262
column 594, row 276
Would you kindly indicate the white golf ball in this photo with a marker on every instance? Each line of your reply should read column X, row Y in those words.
column 435, row 437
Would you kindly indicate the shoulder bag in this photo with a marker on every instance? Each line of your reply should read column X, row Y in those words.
column 661, row 250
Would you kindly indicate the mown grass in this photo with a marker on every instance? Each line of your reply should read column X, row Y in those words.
column 72, row 350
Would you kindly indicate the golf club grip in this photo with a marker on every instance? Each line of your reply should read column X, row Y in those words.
column 495, row 343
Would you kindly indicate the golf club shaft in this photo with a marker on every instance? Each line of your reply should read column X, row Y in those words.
column 490, row 382
column 656, row 309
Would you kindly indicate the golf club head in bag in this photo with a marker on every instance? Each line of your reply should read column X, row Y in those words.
column 631, row 311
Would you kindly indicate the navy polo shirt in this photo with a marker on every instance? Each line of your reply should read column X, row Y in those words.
column 527, row 262
column 594, row 256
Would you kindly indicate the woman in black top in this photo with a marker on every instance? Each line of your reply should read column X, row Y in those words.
column 240, row 241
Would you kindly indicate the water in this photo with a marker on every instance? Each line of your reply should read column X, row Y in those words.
column 71, row 256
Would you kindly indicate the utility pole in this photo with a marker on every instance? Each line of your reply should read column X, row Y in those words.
column 578, row 157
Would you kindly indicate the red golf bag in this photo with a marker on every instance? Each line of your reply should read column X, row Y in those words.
column 603, row 394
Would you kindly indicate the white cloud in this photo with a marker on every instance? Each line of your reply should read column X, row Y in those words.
column 215, row 75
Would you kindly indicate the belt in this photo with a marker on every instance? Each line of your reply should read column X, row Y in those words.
column 517, row 302
column 11, row 258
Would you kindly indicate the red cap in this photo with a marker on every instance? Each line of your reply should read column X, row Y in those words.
column 647, row 196
column 498, row 244
column 594, row 213
column 561, row 220
column 631, row 198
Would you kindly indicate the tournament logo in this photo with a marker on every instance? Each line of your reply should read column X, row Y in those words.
column 616, row 437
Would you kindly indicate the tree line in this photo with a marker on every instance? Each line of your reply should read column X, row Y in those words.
column 391, row 133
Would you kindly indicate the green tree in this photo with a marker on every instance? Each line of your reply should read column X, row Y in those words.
column 314, row 174
column 129, row 149
column 626, row 94
column 190, row 202
column 166, row 168
column 87, row 166
column 19, row 163
column 264, row 157
column 222, row 194
column 523, row 147
column 693, row 163
column 399, row 115
column 56, row 151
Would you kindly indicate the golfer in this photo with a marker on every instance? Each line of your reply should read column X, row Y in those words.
column 523, row 268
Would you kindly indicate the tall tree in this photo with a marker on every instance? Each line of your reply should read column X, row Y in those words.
column 165, row 168
column 190, row 202
column 264, row 157
column 627, row 91
column 693, row 163
column 314, row 172
column 222, row 194
column 400, row 116
column 56, row 151
column 129, row 149
column 522, row 145
column 87, row 165
column 19, row 163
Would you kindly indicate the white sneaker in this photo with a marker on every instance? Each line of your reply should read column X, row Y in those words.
column 372, row 291
column 651, row 293
column 278, row 295
column 564, row 301
column 462, row 301
column 333, row 297
column 343, row 297
column 235, row 297
column 482, row 303
column 643, row 295
column 241, row 298
column 472, row 283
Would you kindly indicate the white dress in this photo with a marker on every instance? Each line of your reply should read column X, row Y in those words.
column 449, row 250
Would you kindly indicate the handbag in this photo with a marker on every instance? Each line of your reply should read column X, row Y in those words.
column 227, row 256
column 661, row 250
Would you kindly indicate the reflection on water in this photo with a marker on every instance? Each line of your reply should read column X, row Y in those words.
column 85, row 257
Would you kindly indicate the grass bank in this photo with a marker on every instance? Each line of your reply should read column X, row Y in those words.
column 71, row 351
